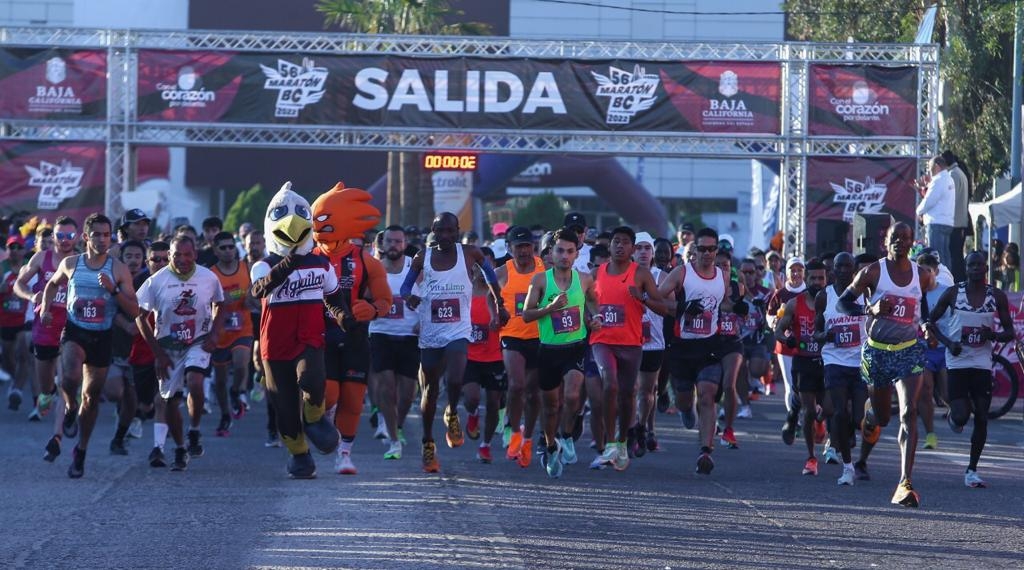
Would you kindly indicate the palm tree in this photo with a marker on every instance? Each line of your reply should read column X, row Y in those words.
column 404, row 17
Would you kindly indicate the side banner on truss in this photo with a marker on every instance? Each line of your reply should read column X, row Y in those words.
column 863, row 100
column 53, row 83
column 52, row 179
column 460, row 92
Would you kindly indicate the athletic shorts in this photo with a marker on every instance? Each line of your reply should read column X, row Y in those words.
column 558, row 360
column 349, row 362
column 489, row 375
column 694, row 360
column 935, row 358
column 97, row 345
column 434, row 357
column 192, row 359
column 754, row 350
column 880, row 367
column 223, row 355
column 589, row 364
column 120, row 367
column 8, row 334
column 837, row 376
column 808, row 374
column 728, row 345
column 43, row 352
column 969, row 384
column 400, row 354
column 652, row 360
column 145, row 383
column 528, row 347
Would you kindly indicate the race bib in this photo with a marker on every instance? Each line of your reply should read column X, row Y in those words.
column 234, row 322
column 61, row 298
column 520, row 303
column 613, row 315
column 14, row 305
column 479, row 334
column 445, row 311
column 184, row 332
column 646, row 328
column 700, row 324
column 846, row 336
column 809, row 345
column 566, row 320
column 729, row 324
column 971, row 336
column 397, row 310
column 91, row 311
column 903, row 309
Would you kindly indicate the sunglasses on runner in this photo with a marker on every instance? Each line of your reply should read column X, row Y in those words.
column 66, row 236
column 707, row 248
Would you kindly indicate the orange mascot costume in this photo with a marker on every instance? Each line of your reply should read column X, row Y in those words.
column 341, row 215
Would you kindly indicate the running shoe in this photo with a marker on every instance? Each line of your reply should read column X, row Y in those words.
column 506, row 436
column 569, row 456
column 847, row 477
column 483, row 454
column 830, row 455
column 789, row 429
column 135, row 428
column 551, row 461
column 454, row 436
column 652, row 442
column 237, row 409
column 953, row 425
column 52, row 449
column 905, row 495
column 156, row 457
column 729, row 439
column 272, row 441
column 258, row 392
column 611, row 453
column 972, row 480
column 473, row 426
column 323, row 435
column 195, row 446
column 631, row 441
column 640, row 448
column 117, row 447
column 744, row 413
column 77, row 467
column 870, row 431
column 381, row 431
column 374, row 417
column 515, row 445
column 34, row 415
column 705, row 464
column 931, row 441
column 301, row 466
column 343, row 464
column 180, row 462
column 224, row 427
column 526, row 453
column 820, row 432
column 860, row 471
column 598, row 462
column 622, row 461
column 689, row 418
column 811, row 466
column 70, row 425
column 401, row 437
column 14, row 399
column 243, row 399
column 430, row 462
column 394, row 451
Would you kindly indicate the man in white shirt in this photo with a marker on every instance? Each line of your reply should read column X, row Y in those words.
column 937, row 206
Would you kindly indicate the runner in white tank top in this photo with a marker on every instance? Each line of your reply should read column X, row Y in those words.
column 444, row 312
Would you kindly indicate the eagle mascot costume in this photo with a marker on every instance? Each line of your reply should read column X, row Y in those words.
column 295, row 285
column 340, row 216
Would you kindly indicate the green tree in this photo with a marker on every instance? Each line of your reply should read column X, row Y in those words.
column 410, row 199
column 975, row 65
column 250, row 206
column 544, row 209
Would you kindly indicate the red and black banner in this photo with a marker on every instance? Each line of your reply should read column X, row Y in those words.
column 53, row 84
column 459, row 92
column 863, row 100
column 51, row 180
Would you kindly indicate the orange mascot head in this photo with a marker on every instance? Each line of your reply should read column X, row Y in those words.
column 342, row 214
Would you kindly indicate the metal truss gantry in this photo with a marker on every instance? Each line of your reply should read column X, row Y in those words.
column 122, row 131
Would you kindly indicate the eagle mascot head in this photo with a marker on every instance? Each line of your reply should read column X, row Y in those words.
column 288, row 225
column 340, row 215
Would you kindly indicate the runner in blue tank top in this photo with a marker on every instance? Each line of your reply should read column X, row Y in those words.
column 95, row 282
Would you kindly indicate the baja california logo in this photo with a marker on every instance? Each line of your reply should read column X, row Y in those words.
column 297, row 85
column 629, row 93
column 730, row 112
column 55, row 98
column 56, row 183
column 857, row 197
column 188, row 91
column 728, row 84
column 861, row 106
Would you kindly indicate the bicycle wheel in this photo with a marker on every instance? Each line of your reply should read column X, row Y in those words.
column 1005, row 385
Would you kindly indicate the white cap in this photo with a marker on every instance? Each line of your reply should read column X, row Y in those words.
column 643, row 237
column 794, row 261
column 728, row 238
column 499, row 248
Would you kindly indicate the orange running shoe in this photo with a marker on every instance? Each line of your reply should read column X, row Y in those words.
column 870, row 431
column 526, row 453
column 811, row 467
column 515, row 445
column 430, row 462
column 454, row 436
column 473, row 426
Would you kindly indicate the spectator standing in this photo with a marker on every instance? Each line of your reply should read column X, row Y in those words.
column 961, row 217
column 936, row 207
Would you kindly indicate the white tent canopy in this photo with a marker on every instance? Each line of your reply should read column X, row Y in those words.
column 1001, row 211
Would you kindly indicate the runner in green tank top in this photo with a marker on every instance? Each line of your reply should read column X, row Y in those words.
column 561, row 300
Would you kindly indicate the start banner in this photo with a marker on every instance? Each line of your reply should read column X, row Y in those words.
column 53, row 84
column 460, row 92
column 863, row 100
column 51, row 180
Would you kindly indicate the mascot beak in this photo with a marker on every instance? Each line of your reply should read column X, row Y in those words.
column 292, row 230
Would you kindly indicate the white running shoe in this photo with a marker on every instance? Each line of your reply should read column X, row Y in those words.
column 744, row 412
column 382, row 431
column 848, row 475
column 611, row 453
column 135, row 429
column 394, row 451
column 972, row 480
column 343, row 465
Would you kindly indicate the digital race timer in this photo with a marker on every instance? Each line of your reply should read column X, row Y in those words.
column 449, row 161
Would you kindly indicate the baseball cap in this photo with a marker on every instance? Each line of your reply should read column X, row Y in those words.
column 575, row 220
column 499, row 228
column 726, row 242
column 519, row 235
column 687, row 227
column 412, row 230
column 643, row 237
column 794, row 261
column 15, row 240
column 132, row 216
column 499, row 249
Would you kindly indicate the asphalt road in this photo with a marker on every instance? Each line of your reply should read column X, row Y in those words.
column 235, row 507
